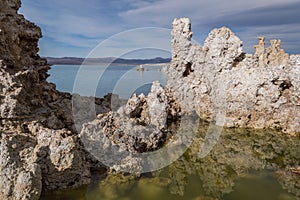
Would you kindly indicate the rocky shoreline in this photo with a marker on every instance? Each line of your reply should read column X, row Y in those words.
column 41, row 148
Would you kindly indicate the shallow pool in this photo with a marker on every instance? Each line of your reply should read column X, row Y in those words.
column 244, row 164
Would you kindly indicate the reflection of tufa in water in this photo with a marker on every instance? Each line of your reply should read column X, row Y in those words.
column 243, row 164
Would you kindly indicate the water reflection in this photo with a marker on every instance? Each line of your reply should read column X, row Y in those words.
column 244, row 164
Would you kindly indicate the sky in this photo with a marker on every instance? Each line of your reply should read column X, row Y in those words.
column 141, row 28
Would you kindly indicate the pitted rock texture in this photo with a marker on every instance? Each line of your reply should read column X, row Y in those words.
column 24, row 92
column 40, row 159
column 117, row 138
column 20, row 174
column 39, row 145
column 224, row 84
column 60, row 157
column 19, row 39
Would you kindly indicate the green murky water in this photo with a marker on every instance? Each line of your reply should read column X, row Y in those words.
column 244, row 164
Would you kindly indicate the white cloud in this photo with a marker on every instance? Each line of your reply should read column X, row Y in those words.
column 83, row 24
column 57, row 23
column 201, row 11
column 141, row 39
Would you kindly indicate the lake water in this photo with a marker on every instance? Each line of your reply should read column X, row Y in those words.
column 91, row 80
column 243, row 165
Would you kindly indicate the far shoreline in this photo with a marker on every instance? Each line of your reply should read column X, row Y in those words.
column 114, row 64
column 158, row 61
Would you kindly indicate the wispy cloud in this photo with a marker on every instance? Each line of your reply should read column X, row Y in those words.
column 128, row 43
column 74, row 27
column 202, row 12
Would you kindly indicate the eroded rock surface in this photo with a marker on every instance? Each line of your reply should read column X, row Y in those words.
column 39, row 144
column 61, row 158
column 24, row 92
column 222, row 83
column 273, row 55
column 117, row 138
column 20, row 174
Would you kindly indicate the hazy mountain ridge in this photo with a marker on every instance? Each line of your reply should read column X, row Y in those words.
column 105, row 60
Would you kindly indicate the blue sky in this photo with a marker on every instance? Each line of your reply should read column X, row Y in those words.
column 76, row 27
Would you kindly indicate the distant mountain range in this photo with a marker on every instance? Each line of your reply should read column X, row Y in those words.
column 107, row 60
